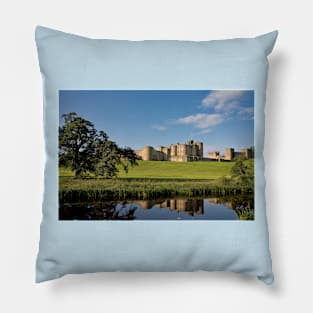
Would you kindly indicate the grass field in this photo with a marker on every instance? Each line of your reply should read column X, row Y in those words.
column 151, row 179
column 173, row 170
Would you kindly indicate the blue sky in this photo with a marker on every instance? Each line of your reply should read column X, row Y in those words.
column 218, row 118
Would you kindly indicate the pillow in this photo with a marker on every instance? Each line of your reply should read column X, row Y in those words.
column 154, row 155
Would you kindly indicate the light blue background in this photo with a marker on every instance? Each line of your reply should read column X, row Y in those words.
column 73, row 62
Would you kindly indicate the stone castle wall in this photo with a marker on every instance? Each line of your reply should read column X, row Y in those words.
column 231, row 154
column 186, row 152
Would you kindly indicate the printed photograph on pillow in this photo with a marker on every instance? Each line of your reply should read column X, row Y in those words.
column 156, row 155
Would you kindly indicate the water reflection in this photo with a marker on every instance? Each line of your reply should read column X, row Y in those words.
column 218, row 208
column 191, row 206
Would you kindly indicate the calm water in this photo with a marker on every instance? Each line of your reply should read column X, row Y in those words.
column 218, row 208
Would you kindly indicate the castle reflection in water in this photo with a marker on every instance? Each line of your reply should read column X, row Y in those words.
column 190, row 206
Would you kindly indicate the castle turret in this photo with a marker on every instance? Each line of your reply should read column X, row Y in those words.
column 173, row 150
column 147, row 153
column 230, row 154
column 247, row 153
column 199, row 146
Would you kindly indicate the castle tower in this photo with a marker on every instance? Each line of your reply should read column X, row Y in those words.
column 199, row 149
column 230, row 153
column 247, row 153
column 173, row 150
column 193, row 150
column 183, row 149
column 147, row 153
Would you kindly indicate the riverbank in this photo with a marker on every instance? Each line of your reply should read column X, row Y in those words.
column 102, row 189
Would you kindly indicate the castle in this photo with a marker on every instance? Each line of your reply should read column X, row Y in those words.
column 231, row 154
column 181, row 152
column 190, row 151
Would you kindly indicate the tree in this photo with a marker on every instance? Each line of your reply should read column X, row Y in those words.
column 128, row 158
column 83, row 149
column 242, row 173
column 109, row 156
column 76, row 144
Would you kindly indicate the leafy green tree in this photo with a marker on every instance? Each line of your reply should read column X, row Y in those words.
column 109, row 157
column 76, row 144
column 243, row 173
column 128, row 158
column 83, row 149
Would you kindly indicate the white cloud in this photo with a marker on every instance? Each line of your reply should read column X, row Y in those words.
column 204, row 131
column 159, row 127
column 201, row 120
column 246, row 113
column 229, row 104
column 223, row 100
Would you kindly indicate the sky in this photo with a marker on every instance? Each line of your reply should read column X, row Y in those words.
column 218, row 118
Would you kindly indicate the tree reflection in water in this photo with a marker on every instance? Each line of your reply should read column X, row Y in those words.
column 97, row 211
column 243, row 205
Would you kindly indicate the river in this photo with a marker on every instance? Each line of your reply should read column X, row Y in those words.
column 214, row 208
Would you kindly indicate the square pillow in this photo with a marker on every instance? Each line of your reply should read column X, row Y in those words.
column 154, row 155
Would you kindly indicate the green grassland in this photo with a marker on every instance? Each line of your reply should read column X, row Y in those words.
column 151, row 179
column 172, row 170
column 187, row 170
